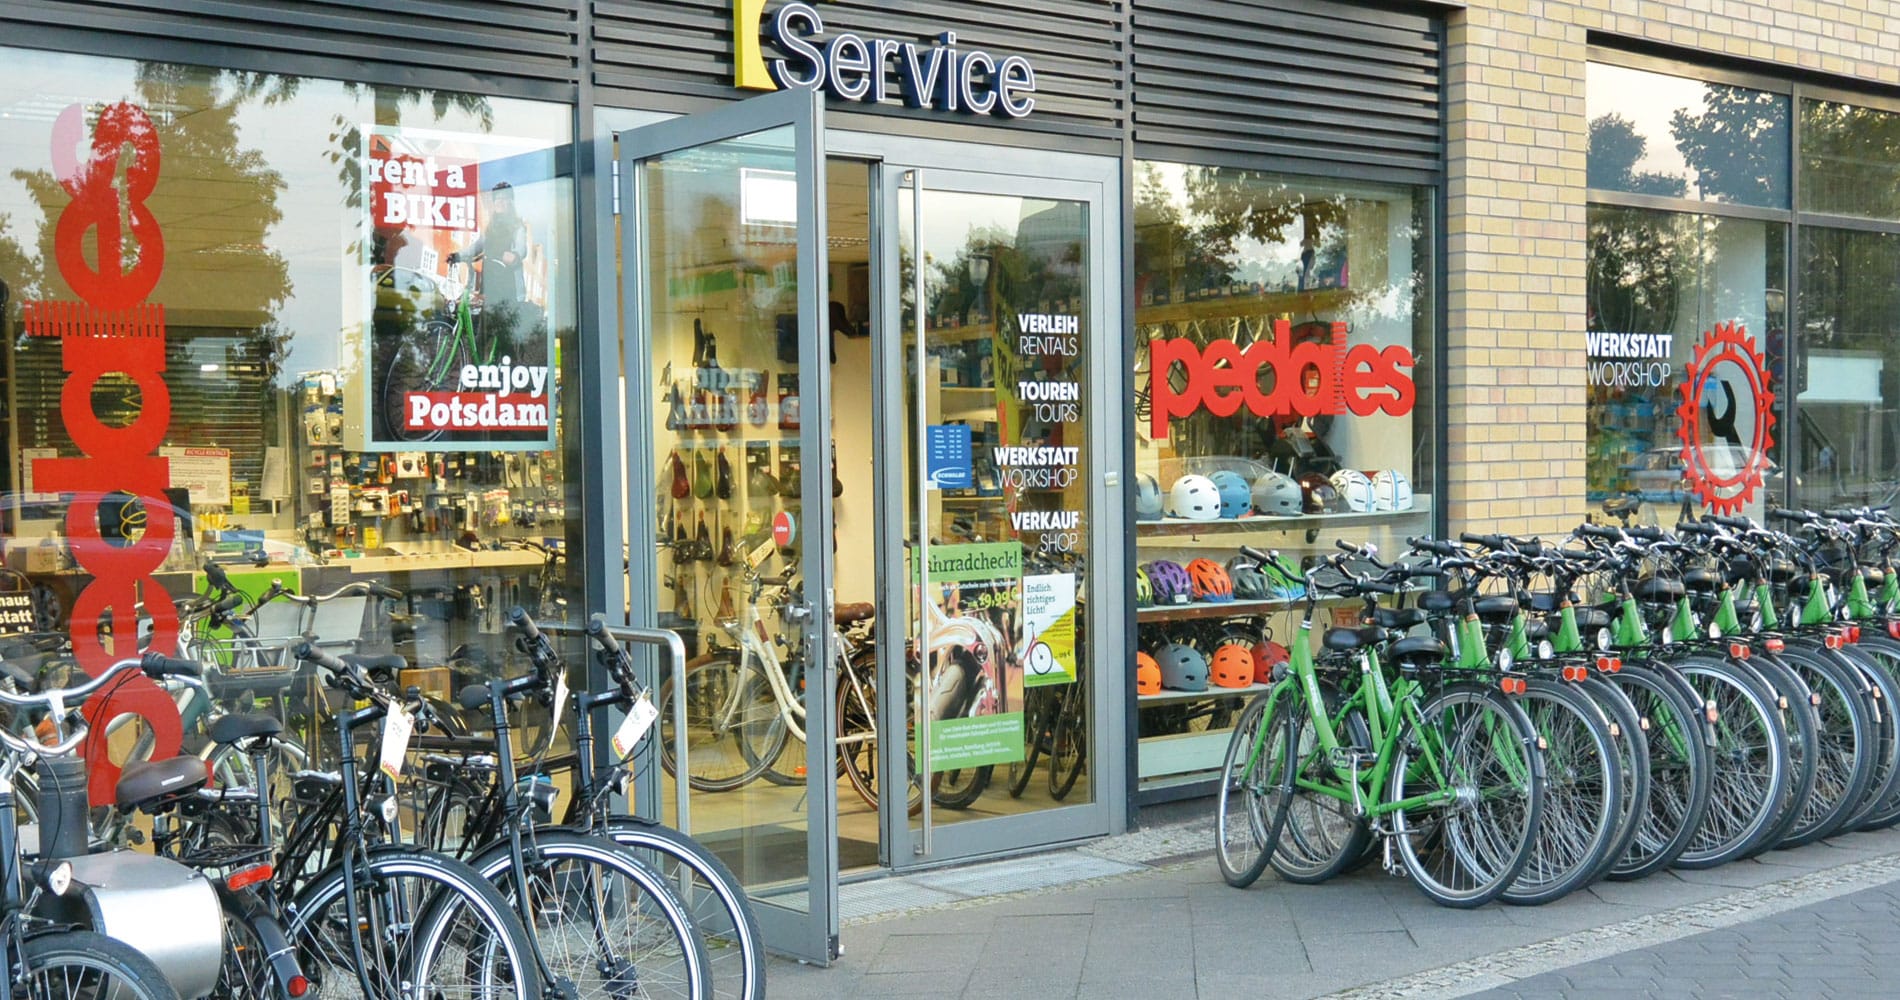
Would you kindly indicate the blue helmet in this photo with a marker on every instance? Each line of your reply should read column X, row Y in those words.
column 1236, row 496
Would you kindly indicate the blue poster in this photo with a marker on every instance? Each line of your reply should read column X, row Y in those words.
column 949, row 461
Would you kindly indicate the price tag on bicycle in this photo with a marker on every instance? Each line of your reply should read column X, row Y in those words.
column 398, row 726
column 560, row 701
column 639, row 719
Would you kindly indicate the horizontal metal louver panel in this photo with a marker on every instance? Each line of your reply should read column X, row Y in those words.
column 1319, row 84
column 215, row 410
column 677, row 54
column 502, row 40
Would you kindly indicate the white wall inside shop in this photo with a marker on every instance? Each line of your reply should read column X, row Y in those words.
column 1379, row 239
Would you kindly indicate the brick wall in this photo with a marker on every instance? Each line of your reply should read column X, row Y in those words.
column 1515, row 218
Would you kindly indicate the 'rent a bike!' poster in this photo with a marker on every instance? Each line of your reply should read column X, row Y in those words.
column 459, row 354
column 975, row 696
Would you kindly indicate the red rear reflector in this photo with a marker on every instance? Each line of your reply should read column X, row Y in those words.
column 1893, row 629
column 1609, row 664
column 1832, row 641
column 1513, row 685
column 1853, row 633
column 1774, row 645
column 298, row 986
column 1738, row 650
column 247, row 876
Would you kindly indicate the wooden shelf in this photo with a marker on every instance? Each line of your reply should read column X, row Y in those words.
column 1265, row 304
column 1175, row 527
column 1208, row 609
column 959, row 334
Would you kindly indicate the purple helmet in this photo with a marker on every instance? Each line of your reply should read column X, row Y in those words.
column 1170, row 582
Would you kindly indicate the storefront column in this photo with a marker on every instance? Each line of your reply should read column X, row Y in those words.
column 1515, row 270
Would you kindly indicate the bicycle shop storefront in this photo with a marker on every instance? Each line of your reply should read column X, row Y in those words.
column 840, row 479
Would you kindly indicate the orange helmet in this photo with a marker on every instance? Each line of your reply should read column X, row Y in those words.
column 1232, row 666
column 1267, row 654
column 1210, row 581
column 1147, row 674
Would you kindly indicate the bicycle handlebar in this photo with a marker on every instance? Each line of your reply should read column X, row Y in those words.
column 597, row 631
column 1437, row 546
column 159, row 665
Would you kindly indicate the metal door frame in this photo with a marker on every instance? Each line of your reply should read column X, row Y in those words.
column 1096, row 182
column 812, row 933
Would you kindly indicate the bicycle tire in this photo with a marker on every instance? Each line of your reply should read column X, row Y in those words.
column 959, row 787
column 1038, row 720
column 860, row 760
column 1749, row 762
column 245, row 973
column 1466, row 854
column 1802, row 722
column 453, row 904
column 88, row 964
column 1250, row 808
column 1845, row 744
column 1879, row 658
column 1674, row 729
column 708, row 685
column 410, row 369
column 714, row 897
column 1321, row 838
column 1884, row 811
column 1582, row 796
column 1069, row 745
column 567, row 869
column 1626, row 731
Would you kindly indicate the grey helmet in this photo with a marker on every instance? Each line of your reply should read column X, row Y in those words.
column 1276, row 494
column 1183, row 668
column 1148, row 500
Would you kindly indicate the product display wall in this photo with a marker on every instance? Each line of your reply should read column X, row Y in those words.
column 1283, row 336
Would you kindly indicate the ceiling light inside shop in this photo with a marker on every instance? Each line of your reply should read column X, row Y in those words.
column 768, row 197
column 207, row 368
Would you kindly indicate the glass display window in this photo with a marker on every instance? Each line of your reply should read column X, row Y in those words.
column 306, row 332
column 1284, row 399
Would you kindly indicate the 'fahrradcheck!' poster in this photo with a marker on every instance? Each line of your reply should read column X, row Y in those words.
column 455, row 253
column 975, row 698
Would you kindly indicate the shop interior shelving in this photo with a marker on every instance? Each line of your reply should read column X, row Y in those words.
column 1180, row 527
column 1295, row 304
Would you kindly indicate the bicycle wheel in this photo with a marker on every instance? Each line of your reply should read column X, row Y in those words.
column 1749, row 776
column 1673, row 729
column 83, row 965
column 1069, row 752
column 735, row 953
column 428, row 926
column 1795, row 699
column 1632, row 749
column 1038, row 731
column 1321, row 837
column 1255, row 785
column 1882, row 809
column 1583, row 797
column 607, row 925
column 245, row 973
column 733, row 726
column 959, row 787
column 857, row 734
column 1844, row 745
column 417, row 365
column 1470, row 744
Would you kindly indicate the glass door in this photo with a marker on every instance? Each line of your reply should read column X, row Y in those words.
column 724, row 287
column 1000, row 495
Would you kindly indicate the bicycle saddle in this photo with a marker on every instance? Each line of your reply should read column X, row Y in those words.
column 681, row 485
column 1704, row 580
column 702, row 475
column 1494, row 607
column 152, row 784
column 723, row 485
column 243, row 726
column 1415, row 648
column 1437, row 601
column 1344, row 639
column 848, row 614
column 1659, row 588
column 1399, row 619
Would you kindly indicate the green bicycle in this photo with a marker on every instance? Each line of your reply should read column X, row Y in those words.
column 430, row 356
column 1448, row 774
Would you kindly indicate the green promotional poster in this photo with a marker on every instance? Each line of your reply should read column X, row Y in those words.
column 1048, row 629
column 975, row 615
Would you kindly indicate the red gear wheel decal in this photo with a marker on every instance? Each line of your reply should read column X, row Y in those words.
column 1724, row 356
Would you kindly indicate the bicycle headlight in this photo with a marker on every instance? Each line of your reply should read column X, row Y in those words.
column 1603, row 639
column 1505, row 659
column 1545, row 650
column 388, row 809
column 56, row 877
column 1715, row 630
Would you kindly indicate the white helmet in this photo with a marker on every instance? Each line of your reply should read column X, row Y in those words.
column 1194, row 498
column 1276, row 494
column 1355, row 490
column 1391, row 490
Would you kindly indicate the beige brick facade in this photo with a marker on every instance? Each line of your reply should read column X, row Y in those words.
column 1515, row 217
